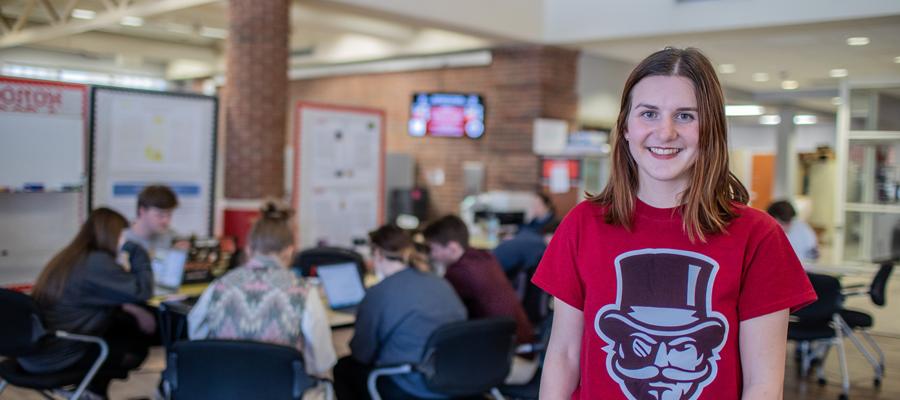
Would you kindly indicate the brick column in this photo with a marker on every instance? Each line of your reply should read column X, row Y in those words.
column 255, row 98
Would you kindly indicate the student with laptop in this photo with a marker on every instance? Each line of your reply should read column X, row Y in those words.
column 395, row 319
column 264, row 301
column 151, row 229
column 89, row 288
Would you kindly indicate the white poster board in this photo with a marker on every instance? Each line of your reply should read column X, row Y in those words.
column 141, row 138
column 43, row 139
column 338, row 186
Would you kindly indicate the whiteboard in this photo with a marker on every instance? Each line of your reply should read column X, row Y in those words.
column 42, row 135
column 43, row 139
column 338, row 186
column 141, row 138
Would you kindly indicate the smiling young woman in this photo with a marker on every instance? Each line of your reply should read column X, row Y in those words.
column 659, row 279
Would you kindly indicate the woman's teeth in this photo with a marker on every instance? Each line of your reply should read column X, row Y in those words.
column 663, row 151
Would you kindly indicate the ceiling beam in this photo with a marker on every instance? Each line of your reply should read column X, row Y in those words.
column 104, row 19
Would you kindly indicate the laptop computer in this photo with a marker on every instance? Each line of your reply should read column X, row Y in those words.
column 168, row 271
column 343, row 286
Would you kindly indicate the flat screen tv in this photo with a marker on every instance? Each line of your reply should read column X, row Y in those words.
column 447, row 115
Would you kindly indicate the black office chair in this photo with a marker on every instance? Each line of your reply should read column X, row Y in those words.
column 531, row 389
column 235, row 369
column 22, row 333
column 306, row 260
column 859, row 321
column 464, row 358
column 820, row 324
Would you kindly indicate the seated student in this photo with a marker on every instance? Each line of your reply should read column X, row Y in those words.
column 799, row 233
column 150, row 229
column 84, row 290
column 541, row 212
column 395, row 319
column 525, row 249
column 264, row 301
column 480, row 282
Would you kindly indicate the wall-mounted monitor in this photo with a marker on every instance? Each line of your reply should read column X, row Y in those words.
column 447, row 115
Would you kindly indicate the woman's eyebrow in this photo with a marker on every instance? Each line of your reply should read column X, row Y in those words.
column 645, row 105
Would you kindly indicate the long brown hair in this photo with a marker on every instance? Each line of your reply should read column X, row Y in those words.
column 706, row 204
column 99, row 233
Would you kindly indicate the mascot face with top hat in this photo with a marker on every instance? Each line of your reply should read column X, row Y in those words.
column 663, row 336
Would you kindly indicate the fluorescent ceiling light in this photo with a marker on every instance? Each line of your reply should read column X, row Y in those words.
column 837, row 73
column 836, row 101
column 858, row 41
column 760, row 77
column 727, row 68
column 789, row 84
column 743, row 110
column 213, row 33
column 897, row 59
column 132, row 21
column 805, row 119
column 79, row 13
column 769, row 119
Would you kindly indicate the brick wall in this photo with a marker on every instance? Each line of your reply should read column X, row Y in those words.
column 254, row 98
column 521, row 84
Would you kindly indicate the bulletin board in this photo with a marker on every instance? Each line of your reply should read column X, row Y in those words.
column 338, row 185
column 140, row 138
column 43, row 146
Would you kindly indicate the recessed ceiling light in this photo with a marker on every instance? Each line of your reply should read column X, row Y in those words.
column 760, row 77
column 769, row 119
column 789, row 84
column 79, row 13
column 837, row 73
column 132, row 21
column 727, row 68
column 897, row 59
column 805, row 119
column 743, row 110
column 858, row 41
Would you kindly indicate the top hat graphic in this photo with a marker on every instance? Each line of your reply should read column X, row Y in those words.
column 665, row 293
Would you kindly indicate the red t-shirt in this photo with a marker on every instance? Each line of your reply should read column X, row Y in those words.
column 661, row 314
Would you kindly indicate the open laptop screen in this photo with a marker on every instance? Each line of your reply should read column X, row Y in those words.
column 342, row 283
column 169, row 270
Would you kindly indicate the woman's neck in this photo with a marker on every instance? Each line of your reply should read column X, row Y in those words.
column 392, row 267
column 662, row 195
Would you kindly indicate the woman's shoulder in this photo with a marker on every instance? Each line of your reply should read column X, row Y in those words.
column 99, row 260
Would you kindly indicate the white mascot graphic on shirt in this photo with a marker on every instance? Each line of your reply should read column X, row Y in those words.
column 663, row 337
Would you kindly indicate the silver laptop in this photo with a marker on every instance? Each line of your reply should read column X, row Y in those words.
column 343, row 286
column 168, row 271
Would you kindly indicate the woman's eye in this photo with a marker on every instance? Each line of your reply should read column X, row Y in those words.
column 686, row 117
column 649, row 114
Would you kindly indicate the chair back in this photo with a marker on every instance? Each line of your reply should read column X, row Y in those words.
column 878, row 290
column 21, row 329
column 468, row 357
column 308, row 259
column 830, row 300
column 536, row 301
column 235, row 369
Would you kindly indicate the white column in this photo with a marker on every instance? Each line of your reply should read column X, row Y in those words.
column 785, row 156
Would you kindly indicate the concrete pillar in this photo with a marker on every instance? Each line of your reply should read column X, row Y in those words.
column 785, row 156
column 255, row 98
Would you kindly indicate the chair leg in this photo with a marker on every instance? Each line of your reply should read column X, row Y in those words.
column 822, row 355
column 805, row 358
column 839, row 342
column 874, row 346
column 3, row 384
column 496, row 394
